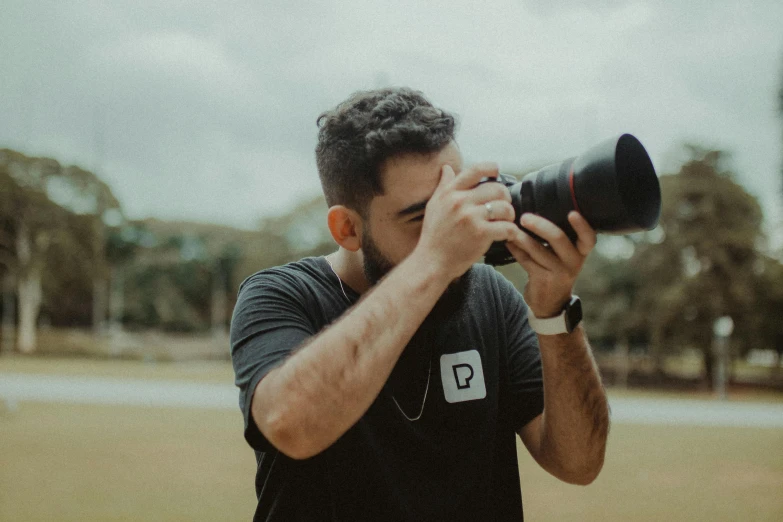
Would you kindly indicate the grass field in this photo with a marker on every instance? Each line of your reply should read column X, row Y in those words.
column 78, row 463
column 91, row 462
column 669, row 473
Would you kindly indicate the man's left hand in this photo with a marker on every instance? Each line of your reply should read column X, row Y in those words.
column 552, row 270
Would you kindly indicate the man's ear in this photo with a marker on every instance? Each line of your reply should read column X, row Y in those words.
column 345, row 225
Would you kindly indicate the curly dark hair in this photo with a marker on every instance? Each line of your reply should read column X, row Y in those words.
column 357, row 137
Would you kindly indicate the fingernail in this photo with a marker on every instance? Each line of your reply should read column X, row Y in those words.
column 527, row 218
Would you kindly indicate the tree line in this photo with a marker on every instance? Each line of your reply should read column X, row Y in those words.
column 70, row 257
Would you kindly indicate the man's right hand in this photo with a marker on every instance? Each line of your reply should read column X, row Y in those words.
column 322, row 389
column 458, row 227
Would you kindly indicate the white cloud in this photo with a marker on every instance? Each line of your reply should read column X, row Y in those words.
column 222, row 100
column 188, row 57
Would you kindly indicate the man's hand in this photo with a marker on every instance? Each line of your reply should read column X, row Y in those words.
column 552, row 271
column 463, row 218
column 569, row 438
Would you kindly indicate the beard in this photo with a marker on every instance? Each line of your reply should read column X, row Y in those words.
column 449, row 305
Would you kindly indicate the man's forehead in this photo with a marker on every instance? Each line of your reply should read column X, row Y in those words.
column 412, row 178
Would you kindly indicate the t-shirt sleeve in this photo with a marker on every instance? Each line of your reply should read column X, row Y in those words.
column 269, row 322
column 526, row 397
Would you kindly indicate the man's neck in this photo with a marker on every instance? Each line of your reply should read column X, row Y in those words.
column 349, row 267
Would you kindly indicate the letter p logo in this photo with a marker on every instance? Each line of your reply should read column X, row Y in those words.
column 466, row 375
column 462, row 376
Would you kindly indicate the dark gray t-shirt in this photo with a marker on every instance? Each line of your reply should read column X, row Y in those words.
column 456, row 462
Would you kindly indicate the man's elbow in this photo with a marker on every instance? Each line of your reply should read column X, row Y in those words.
column 588, row 477
column 283, row 432
column 278, row 422
column 585, row 474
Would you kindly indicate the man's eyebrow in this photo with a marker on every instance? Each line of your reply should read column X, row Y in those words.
column 412, row 209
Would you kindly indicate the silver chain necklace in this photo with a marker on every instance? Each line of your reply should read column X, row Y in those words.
column 429, row 370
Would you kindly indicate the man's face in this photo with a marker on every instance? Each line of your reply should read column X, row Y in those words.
column 394, row 220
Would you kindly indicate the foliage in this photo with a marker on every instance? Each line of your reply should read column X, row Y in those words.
column 704, row 267
column 661, row 289
column 767, row 326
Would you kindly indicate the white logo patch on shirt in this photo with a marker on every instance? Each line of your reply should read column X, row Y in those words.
column 462, row 376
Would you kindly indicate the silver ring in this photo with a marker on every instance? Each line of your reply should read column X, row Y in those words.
column 488, row 206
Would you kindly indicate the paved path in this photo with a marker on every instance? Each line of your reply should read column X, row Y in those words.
column 16, row 387
column 108, row 390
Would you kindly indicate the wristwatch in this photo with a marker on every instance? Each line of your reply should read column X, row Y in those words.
column 559, row 324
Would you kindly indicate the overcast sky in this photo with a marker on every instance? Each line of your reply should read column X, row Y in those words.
column 207, row 112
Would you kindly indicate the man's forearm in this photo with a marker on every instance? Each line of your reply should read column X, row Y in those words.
column 306, row 404
column 576, row 412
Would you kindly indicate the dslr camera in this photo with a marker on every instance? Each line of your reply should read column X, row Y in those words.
column 613, row 186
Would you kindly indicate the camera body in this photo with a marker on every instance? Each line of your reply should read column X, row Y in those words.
column 613, row 186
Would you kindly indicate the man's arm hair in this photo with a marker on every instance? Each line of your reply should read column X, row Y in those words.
column 569, row 438
column 303, row 406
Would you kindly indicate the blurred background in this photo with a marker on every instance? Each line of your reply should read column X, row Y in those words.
column 155, row 154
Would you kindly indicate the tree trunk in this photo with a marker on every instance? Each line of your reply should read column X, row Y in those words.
column 116, row 299
column 9, row 317
column 656, row 349
column 29, row 290
column 99, row 291
column 116, row 309
column 100, row 285
column 709, row 367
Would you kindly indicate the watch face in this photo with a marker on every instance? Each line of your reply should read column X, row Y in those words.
column 573, row 313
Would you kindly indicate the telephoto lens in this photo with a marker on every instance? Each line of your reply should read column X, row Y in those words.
column 613, row 186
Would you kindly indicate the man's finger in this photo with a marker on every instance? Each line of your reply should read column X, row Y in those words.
column 557, row 239
column 489, row 192
column 538, row 252
column 497, row 211
column 586, row 236
column 470, row 177
column 446, row 176
column 524, row 259
column 500, row 230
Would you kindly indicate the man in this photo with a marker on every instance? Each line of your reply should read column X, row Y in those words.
column 388, row 380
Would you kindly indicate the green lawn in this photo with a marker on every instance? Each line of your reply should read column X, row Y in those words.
column 656, row 473
column 91, row 462
column 104, row 463
column 85, row 462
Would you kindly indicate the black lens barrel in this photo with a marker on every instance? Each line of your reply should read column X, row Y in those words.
column 616, row 186
column 613, row 185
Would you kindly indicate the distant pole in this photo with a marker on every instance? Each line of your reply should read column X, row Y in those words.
column 721, row 329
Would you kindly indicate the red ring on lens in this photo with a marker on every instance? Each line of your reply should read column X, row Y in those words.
column 571, row 186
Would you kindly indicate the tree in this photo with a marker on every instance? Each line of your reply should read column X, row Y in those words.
column 704, row 267
column 39, row 198
column 31, row 219
column 768, row 323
